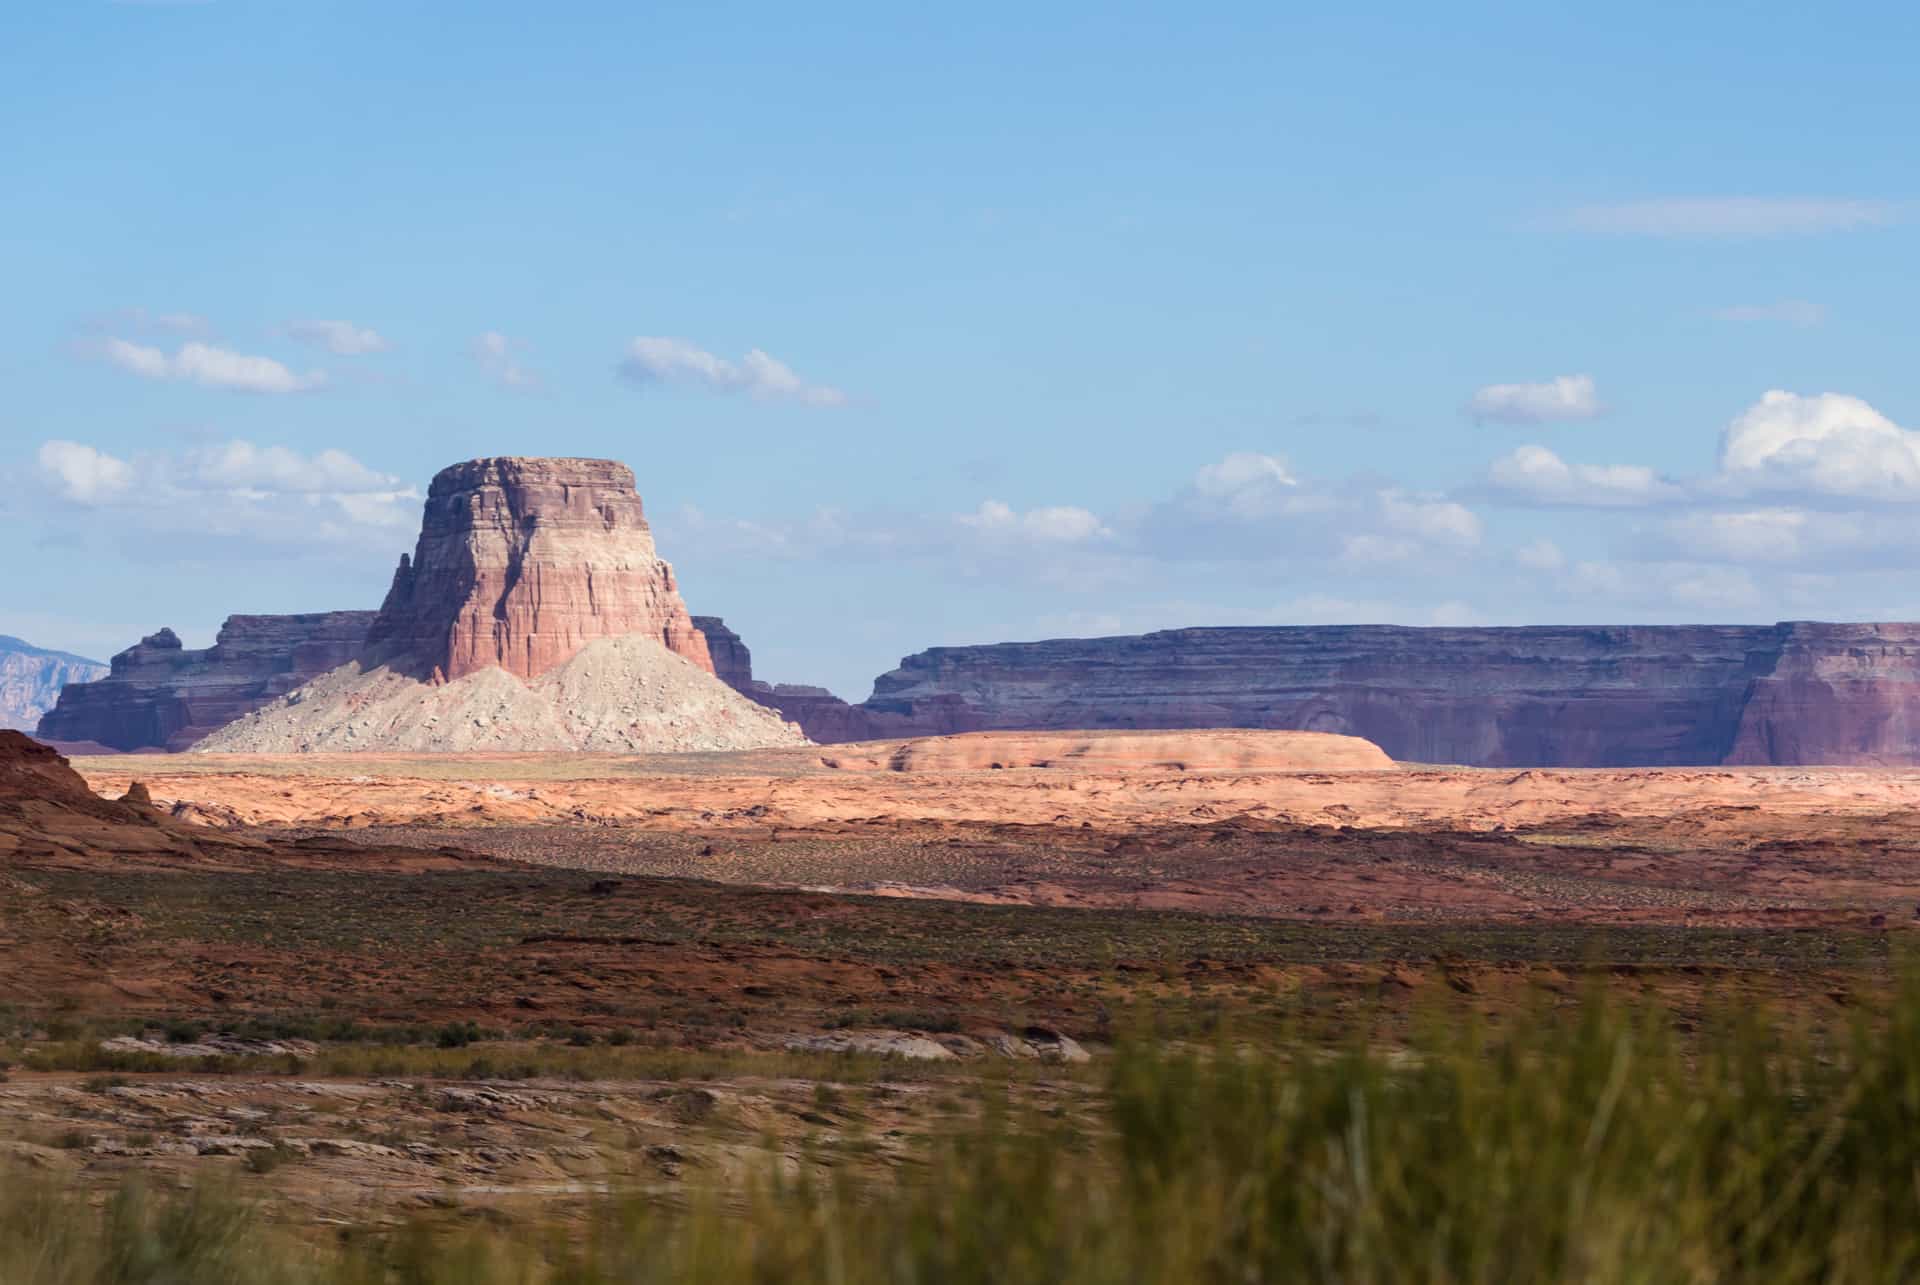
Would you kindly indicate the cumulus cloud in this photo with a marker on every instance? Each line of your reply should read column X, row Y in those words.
column 341, row 338
column 83, row 474
column 660, row 359
column 210, row 367
column 1793, row 312
column 1732, row 217
column 1540, row 555
column 1534, row 475
column 1829, row 444
column 1430, row 519
column 236, row 489
column 1057, row 524
column 496, row 354
column 1564, row 397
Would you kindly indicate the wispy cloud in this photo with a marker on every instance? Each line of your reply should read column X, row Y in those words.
column 341, row 338
column 1534, row 475
column 1564, row 397
column 659, row 359
column 1731, row 217
column 496, row 354
column 210, row 367
column 233, row 489
column 1794, row 312
column 144, row 321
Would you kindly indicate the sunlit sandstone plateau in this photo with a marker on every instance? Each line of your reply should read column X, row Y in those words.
column 1247, row 822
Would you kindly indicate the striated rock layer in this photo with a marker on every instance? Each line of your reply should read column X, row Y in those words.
column 31, row 678
column 523, row 562
column 1545, row 696
column 161, row 695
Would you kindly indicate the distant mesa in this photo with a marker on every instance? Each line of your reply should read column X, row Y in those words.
column 31, row 679
column 160, row 695
column 533, row 578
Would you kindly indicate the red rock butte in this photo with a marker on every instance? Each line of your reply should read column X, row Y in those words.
column 523, row 562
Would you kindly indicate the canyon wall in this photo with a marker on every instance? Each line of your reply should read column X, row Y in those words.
column 31, row 678
column 159, row 694
column 1511, row 697
column 523, row 562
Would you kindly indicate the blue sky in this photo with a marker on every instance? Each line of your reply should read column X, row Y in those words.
column 985, row 324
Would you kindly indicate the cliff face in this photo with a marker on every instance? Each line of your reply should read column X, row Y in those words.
column 1836, row 694
column 523, row 562
column 732, row 662
column 1570, row 697
column 31, row 678
column 824, row 717
column 160, row 695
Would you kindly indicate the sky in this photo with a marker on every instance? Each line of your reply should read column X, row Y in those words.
column 987, row 323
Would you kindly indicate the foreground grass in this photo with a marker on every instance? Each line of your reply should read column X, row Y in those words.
column 1593, row 1144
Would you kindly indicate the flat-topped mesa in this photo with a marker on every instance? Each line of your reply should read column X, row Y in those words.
column 523, row 562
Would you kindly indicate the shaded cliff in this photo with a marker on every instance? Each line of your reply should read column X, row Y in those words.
column 824, row 717
column 31, row 678
column 1568, row 696
column 161, row 695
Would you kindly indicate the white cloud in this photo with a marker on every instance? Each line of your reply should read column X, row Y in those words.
column 210, row 367
column 342, row 338
column 1540, row 555
column 659, row 359
column 1564, row 397
column 237, row 490
column 82, row 474
column 1059, row 524
column 495, row 353
column 1794, row 312
column 1665, row 585
column 1732, row 217
column 1241, row 471
column 1433, row 520
column 1829, row 444
column 1535, row 475
column 243, row 466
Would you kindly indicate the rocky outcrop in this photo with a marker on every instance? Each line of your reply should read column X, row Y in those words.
column 1547, row 696
column 523, row 562
column 1212, row 751
column 1835, row 693
column 162, row 695
column 732, row 662
column 824, row 717
column 31, row 678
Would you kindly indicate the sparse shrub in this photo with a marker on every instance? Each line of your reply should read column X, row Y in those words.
column 264, row 1160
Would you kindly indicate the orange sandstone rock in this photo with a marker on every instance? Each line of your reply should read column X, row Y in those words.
column 523, row 562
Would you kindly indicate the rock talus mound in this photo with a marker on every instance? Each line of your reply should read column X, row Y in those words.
column 160, row 694
column 523, row 562
column 617, row 695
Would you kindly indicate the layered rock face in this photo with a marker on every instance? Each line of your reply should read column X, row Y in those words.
column 732, row 662
column 1835, row 694
column 161, row 695
column 31, row 678
column 523, row 562
column 1550, row 696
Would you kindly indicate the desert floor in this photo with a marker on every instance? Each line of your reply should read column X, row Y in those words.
column 475, row 983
